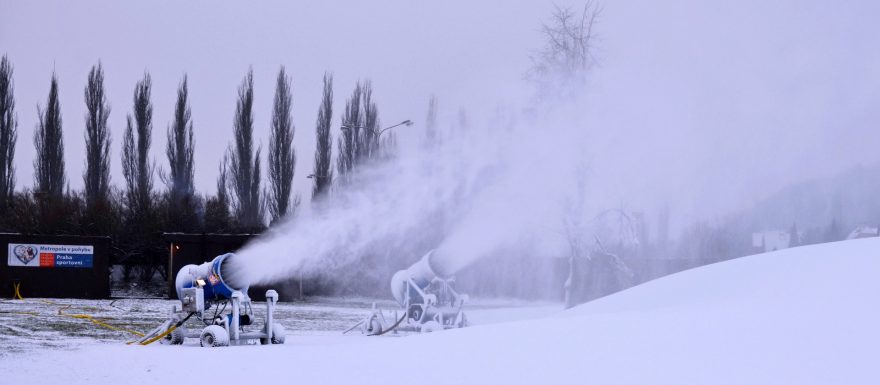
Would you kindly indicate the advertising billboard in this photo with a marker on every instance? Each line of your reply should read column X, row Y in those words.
column 52, row 256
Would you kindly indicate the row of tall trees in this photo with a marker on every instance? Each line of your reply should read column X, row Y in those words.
column 8, row 135
column 138, row 213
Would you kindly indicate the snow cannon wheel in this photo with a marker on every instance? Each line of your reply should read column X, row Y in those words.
column 278, row 335
column 176, row 337
column 213, row 336
column 431, row 326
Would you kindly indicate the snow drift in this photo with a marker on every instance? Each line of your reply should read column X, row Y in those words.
column 803, row 315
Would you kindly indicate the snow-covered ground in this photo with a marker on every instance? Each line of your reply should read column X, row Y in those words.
column 797, row 316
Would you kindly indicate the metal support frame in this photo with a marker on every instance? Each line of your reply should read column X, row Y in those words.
column 439, row 307
column 240, row 305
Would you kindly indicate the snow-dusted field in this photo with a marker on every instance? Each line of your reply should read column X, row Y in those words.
column 37, row 323
column 798, row 316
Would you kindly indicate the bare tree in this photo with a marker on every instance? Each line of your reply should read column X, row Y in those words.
column 136, row 165
column 322, row 175
column 8, row 134
column 49, row 164
column 245, row 169
column 566, row 56
column 282, row 155
column 180, row 149
column 97, row 138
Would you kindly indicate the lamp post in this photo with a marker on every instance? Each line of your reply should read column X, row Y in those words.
column 171, row 248
column 377, row 134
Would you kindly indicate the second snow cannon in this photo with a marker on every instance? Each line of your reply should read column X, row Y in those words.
column 206, row 291
column 428, row 299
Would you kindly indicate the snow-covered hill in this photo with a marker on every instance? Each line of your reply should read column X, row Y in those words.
column 798, row 316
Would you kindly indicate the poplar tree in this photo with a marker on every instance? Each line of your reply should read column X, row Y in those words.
column 282, row 156
column 322, row 174
column 368, row 143
column 179, row 150
column 352, row 122
column 244, row 169
column 8, row 135
column 49, row 163
column 359, row 141
column 136, row 166
column 97, row 139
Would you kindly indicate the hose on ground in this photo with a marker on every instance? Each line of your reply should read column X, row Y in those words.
column 167, row 332
column 17, row 287
column 61, row 313
column 392, row 326
column 97, row 321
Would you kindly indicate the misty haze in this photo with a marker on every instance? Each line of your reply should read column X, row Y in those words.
column 602, row 191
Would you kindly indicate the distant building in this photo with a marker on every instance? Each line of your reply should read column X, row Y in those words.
column 864, row 232
column 774, row 240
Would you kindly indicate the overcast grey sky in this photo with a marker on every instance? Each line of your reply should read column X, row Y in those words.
column 407, row 49
column 693, row 102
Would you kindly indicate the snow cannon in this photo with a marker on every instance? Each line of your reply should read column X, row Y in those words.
column 210, row 276
column 427, row 298
column 421, row 274
column 206, row 291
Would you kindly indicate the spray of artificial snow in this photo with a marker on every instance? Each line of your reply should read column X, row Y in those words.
column 470, row 194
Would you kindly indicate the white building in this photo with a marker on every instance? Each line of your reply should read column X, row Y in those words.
column 772, row 240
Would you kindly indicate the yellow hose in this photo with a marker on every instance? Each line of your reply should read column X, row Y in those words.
column 77, row 316
column 100, row 323
column 17, row 287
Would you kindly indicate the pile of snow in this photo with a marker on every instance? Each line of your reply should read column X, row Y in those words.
column 797, row 316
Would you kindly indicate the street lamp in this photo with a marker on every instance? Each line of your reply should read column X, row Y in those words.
column 380, row 132
column 376, row 134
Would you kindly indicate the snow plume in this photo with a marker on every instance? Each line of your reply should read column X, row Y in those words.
column 501, row 184
column 471, row 193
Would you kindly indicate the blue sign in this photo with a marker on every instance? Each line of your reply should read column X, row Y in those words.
column 73, row 260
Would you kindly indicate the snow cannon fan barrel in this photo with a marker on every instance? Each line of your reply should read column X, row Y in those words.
column 215, row 277
column 421, row 273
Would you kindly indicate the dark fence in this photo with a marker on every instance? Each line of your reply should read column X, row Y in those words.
column 195, row 249
column 56, row 266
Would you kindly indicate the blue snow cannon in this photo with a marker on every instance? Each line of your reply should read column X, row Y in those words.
column 215, row 297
